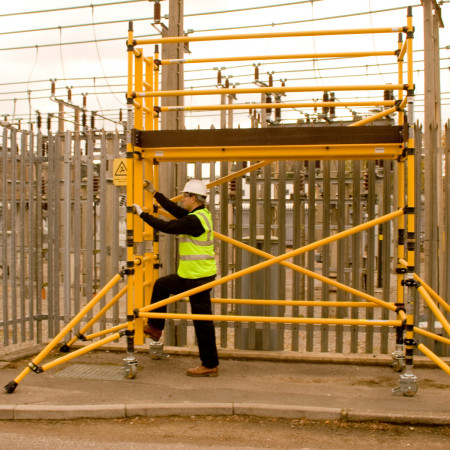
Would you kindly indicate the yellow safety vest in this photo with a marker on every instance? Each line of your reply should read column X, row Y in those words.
column 197, row 253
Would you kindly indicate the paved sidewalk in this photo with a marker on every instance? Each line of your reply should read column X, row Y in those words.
column 270, row 384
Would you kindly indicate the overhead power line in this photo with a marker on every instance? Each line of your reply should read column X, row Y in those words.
column 68, row 8
column 188, row 15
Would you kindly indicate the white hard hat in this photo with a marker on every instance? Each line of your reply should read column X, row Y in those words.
column 195, row 187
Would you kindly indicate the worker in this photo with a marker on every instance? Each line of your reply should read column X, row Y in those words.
column 197, row 266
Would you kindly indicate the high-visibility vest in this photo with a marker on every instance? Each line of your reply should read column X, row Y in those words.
column 197, row 253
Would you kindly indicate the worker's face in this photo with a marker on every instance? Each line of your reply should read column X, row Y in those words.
column 188, row 201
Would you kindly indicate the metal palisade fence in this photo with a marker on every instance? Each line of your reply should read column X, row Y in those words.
column 63, row 236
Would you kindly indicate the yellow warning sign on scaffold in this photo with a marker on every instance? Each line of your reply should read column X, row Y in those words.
column 120, row 172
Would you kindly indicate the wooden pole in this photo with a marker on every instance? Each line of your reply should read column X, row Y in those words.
column 431, row 140
column 172, row 78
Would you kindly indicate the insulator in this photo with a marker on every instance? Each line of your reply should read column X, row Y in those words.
column 219, row 77
column 96, row 184
column 277, row 114
column 326, row 98
column 332, row 99
column 256, row 73
column 366, row 181
column 269, row 100
column 157, row 12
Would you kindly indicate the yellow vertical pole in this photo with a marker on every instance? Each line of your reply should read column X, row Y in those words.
column 156, row 86
column 149, row 86
column 401, row 114
column 410, row 156
column 408, row 382
column 156, row 261
column 398, row 355
column 148, row 202
column 130, row 195
column 138, row 184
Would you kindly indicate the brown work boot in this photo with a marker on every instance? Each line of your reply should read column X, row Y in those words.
column 153, row 332
column 203, row 371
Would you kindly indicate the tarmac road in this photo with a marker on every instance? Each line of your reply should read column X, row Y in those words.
column 219, row 432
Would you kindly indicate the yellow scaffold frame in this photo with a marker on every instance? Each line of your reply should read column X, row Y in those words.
column 145, row 152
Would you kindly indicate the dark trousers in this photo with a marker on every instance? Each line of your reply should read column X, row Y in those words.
column 200, row 304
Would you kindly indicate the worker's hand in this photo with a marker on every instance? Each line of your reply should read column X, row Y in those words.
column 149, row 186
column 137, row 209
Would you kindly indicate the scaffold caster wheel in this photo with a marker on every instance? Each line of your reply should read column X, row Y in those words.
column 398, row 362
column 130, row 367
column 156, row 350
column 408, row 385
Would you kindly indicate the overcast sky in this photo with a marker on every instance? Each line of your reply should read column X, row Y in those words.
column 26, row 72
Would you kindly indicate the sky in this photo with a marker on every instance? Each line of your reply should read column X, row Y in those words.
column 84, row 49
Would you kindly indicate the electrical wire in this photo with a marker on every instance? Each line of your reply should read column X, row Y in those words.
column 100, row 59
column 373, row 41
column 122, row 38
column 247, row 26
column 61, row 54
column 28, row 83
column 111, row 91
column 69, row 8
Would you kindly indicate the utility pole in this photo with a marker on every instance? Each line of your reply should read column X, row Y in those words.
column 432, row 21
column 172, row 79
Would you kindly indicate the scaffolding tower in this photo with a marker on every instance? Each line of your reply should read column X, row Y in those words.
column 148, row 147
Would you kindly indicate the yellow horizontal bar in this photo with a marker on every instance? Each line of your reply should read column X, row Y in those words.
column 250, row 301
column 165, row 62
column 266, row 319
column 228, row 37
column 283, row 152
column 438, row 361
column 251, row 106
column 269, row 90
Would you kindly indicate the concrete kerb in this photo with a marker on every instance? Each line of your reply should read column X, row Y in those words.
column 72, row 412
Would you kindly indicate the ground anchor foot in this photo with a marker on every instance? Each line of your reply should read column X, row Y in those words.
column 11, row 387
